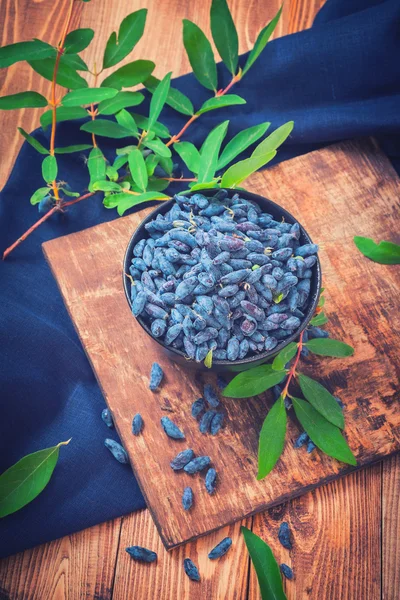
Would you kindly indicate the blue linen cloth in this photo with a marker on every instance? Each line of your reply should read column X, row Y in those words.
column 338, row 80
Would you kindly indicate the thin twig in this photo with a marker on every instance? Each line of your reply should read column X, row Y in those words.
column 177, row 179
column 176, row 138
column 292, row 370
column 56, row 208
column 60, row 51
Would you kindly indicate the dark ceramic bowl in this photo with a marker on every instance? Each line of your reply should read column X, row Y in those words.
column 222, row 366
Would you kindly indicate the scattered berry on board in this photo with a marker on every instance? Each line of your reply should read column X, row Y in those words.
column 220, row 549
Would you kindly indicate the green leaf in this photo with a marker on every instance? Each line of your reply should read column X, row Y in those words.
column 321, row 400
column 125, row 150
column 189, row 154
column 385, row 253
column 268, row 575
column 274, row 140
column 78, row 40
column 75, row 62
column 96, row 166
column 66, row 75
column 284, row 356
column 320, row 319
column 70, row 194
column 209, row 152
column 119, row 162
column 88, row 96
column 253, row 382
column 208, row 359
column 272, row 438
column 120, row 101
column 166, row 164
column 324, row 435
column 138, row 170
column 244, row 168
column 34, row 50
column 241, row 142
column 39, row 195
column 151, row 163
column 159, row 129
column 49, row 169
column 22, row 482
column 71, row 149
column 224, row 34
column 63, row 114
column 158, row 147
column 158, row 99
column 130, row 32
column 126, row 201
column 200, row 55
column 112, row 173
column 157, row 185
column 328, row 347
column 129, row 75
column 261, row 41
column 220, row 102
column 204, row 186
column 22, row 100
column 321, row 301
column 175, row 98
column 106, row 129
column 126, row 120
column 106, row 186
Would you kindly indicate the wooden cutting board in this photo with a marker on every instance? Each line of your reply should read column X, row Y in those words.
column 344, row 190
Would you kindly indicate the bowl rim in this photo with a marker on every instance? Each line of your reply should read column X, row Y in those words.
column 262, row 357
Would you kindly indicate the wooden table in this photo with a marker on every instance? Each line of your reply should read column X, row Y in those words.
column 347, row 545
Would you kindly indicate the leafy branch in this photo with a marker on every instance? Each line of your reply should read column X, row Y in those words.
column 319, row 413
column 142, row 170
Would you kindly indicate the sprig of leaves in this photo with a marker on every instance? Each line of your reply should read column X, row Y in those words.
column 145, row 166
column 319, row 413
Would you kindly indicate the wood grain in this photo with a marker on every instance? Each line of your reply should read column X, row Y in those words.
column 391, row 528
column 336, row 535
column 225, row 578
column 77, row 567
column 336, row 185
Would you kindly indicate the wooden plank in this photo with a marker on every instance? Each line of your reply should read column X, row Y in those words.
column 391, row 528
column 76, row 567
column 342, row 185
column 166, row 580
column 336, row 540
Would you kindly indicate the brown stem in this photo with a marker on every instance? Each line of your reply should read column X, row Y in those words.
column 57, row 207
column 175, row 138
column 93, row 112
column 71, row 202
column 30, row 230
column 292, row 370
column 60, row 51
column 177, row 179
column 142, row 136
